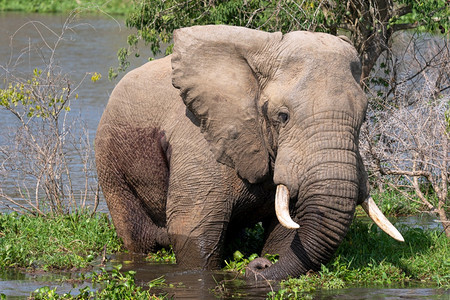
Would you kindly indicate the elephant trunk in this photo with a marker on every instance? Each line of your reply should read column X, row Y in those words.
column 324, row 210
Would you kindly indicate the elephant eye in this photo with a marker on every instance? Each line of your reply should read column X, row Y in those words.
column 283, row 117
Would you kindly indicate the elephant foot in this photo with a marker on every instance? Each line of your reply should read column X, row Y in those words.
column 255, row 267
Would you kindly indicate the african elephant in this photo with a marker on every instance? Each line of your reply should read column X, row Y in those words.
column 197, row 145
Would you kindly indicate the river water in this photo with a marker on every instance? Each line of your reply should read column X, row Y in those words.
column 90, row 45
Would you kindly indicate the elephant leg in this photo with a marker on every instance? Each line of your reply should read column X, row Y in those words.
column 197, row 240
column 132, row 170
column 133, row 224
column 197, row 224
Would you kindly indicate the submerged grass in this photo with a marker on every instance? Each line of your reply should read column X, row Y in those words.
column 55, row 242
column 162, row 256
column 112, row 285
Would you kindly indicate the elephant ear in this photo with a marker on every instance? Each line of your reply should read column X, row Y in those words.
column 216, row 71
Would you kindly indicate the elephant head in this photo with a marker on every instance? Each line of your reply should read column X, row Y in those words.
column 286, row 108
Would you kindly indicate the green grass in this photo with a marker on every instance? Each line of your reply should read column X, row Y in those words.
column 78, row 240
column 58, row 242
column 404, row 201
column 121, row 7
column 424, row 256
column 368, row 257
column 393, row 203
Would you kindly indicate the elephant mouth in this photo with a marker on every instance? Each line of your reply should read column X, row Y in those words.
column 282, row 211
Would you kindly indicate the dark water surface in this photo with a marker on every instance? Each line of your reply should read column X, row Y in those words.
column 191, row 284
column 205, row 285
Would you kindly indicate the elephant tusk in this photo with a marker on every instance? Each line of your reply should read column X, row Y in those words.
column 282, row 207
column 377, row 216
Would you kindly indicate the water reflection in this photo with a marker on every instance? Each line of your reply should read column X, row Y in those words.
column 423, row 221
column 90, row 44
column 18, row 285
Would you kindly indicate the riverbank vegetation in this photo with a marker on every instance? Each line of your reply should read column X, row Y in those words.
column 56, row 242
column 118, row 7
column 82, row 241
column 370, row 258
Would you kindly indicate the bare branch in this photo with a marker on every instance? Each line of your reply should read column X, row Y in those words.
column 38, row 149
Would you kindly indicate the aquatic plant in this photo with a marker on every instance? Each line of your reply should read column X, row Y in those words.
column 108, row 285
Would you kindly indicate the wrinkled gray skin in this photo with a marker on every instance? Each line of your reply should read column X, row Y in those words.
column 191, row 147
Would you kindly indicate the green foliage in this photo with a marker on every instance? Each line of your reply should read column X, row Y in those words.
column 367, row 257
column 51, row 6
column 111, row 285
column 243, row 248
column 35, row 97
column 240, row 262
column 249, row 241
column 162, row 256
column 122, row 55
column 367, row 249
column 304, row 286
column 39, row 97
column 122, row 285
column 394, row 203
column 430, row 15
column 155, row 20
column 55, row 242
